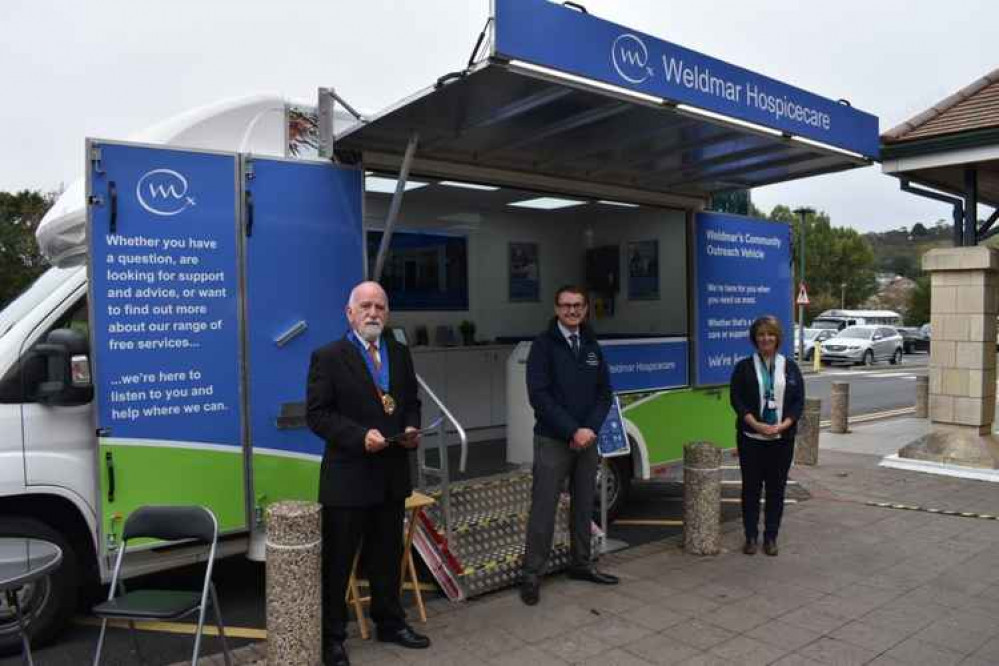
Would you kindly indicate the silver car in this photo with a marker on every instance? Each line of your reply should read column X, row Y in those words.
column 864, row 344
column 813, row 336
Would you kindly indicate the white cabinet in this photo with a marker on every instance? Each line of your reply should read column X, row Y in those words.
column 471, row 381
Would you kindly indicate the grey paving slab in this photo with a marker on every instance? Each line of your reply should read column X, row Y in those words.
column 528, row 654
column 783, row 635
column 795, row 660
column 870, row 636
column 814, row 620
column 748, row 651
column 656, row 617
column 699, row 634
column 575, row 645
column 663, row 649
column 734, row 618
column 837, row 653
column 615, row 657
column 916, row 652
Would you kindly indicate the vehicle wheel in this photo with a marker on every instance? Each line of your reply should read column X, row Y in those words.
column 869, row 357
column 47, row 604
column 809, row 355
column 618, row 487
column 896, row 358
column 907, row 348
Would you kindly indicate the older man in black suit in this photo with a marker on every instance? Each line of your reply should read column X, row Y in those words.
column 362, row 400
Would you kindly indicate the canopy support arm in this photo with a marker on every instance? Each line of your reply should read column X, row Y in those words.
column 393, row 213
column 956, row 202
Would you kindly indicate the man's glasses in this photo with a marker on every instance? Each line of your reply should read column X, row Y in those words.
column 571, row 306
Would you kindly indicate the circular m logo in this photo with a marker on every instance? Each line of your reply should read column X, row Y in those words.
column 163, row 192
column 631, row 58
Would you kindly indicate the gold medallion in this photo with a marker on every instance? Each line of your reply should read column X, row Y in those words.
column 388, row 403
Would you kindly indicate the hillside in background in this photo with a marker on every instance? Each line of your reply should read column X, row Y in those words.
column 900, row 251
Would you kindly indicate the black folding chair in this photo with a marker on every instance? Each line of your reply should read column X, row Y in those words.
column 169, row 523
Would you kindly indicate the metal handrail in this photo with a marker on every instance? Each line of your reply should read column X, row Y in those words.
column 443, row 472
column 446, row 413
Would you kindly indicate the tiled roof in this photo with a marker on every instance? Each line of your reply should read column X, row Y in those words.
column 971, row 108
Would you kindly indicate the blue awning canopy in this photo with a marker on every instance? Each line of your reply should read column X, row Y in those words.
column 568, row 102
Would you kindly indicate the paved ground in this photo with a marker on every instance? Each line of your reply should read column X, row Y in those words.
column 854, row 584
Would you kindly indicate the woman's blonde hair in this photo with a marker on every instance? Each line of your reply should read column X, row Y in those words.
column 766, row 324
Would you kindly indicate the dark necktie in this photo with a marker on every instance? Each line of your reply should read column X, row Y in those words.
column 574, row 343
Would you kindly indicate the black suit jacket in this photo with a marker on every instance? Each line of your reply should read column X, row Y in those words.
column 342, row 404
column 744, row 394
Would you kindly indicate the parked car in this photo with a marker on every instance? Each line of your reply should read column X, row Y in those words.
column 864, row 344
column 913, row 339
column 813, row 336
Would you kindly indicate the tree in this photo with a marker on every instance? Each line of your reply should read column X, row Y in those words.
column 919, row 230
column 919, row 303
column 20, row 260
column 834, row 257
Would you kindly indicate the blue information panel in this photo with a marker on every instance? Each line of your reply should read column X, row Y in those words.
column 646, row 364
column 547, row 34
column 743, row 271
column 165, row 297
column 302, row 259
column 612, row 440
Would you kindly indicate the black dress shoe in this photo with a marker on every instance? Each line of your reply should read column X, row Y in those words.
column 749, row 548
column 530, row 590
column 336, row 656
column 770, row 547
column 592, row 575
column 404, row 636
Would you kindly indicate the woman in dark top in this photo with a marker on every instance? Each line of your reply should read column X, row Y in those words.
column 767, row 394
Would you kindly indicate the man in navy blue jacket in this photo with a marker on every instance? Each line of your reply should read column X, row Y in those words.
column 569, row 389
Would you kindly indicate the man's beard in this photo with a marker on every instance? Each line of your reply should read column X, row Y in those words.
column 371, row 330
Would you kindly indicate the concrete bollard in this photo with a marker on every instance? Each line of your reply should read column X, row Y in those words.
column 294, row 584
column 922, row 397
column 840, row 412
column 806, row 443
column 701, row 498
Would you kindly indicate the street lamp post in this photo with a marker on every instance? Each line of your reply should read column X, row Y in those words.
column 842, row 296
column 802, row 213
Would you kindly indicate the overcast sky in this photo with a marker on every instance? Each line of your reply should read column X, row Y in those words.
column 72, row 69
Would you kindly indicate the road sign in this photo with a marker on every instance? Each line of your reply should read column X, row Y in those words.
column 802, row 295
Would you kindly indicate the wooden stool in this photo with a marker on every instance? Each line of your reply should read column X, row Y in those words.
column 414, row 503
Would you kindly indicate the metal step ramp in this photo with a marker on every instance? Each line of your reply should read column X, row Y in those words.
column 488, row 519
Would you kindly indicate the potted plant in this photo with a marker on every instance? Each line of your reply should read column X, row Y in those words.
column 467, row 329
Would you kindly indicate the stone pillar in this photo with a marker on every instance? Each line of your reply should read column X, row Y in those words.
column 701, row 498
column 839, row 413
column 806, row 444
column 922, row 397
column 962, row 385
column 294, row 584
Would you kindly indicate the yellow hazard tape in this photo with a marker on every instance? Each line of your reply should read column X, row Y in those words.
column 492, row 565
column 176, row 628
column 923, row 509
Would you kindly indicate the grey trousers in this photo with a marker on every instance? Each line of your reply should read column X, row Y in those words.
column 554, row 461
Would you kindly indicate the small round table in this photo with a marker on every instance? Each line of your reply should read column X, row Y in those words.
column 22, row 561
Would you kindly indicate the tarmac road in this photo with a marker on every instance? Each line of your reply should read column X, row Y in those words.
column 882, row 387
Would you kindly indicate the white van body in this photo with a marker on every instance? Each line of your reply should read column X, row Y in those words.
column 49, row 467
column 840, row 319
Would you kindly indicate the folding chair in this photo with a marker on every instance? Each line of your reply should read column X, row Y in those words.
column 169, row 523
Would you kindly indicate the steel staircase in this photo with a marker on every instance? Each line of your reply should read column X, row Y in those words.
column 472, row 539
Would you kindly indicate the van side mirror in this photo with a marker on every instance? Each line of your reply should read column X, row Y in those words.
column 67, row 380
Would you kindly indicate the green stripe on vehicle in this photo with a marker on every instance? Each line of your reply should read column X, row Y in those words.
column 670, row 419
